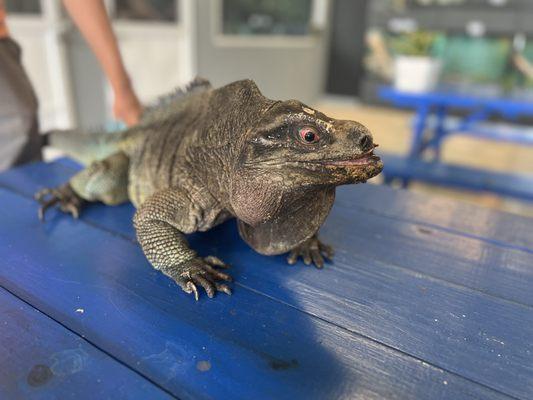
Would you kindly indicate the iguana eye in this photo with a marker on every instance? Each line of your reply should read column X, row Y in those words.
column 308, row 135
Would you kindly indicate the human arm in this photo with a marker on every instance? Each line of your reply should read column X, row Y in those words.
column 91, row 18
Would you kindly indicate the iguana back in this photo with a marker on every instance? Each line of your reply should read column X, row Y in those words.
column 158, row 158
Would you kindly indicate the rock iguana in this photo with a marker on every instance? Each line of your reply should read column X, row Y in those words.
column 205, row 155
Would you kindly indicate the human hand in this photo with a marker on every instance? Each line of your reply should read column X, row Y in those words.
column 126, row 106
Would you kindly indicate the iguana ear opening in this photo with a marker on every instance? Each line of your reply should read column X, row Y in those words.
column 298, row 220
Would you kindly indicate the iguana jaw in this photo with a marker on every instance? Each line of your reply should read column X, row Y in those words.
column 340, row 170
column 362, row 160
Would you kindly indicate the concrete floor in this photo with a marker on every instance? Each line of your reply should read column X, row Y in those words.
column 391, row 129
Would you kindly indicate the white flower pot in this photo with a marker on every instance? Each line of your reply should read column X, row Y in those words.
column 416, row 74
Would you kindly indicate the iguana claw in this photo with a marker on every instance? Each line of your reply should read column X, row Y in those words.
column 63, row 196
column 201, row 271
column 312, row 250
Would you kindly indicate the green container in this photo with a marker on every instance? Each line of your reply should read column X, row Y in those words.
column 473, row 60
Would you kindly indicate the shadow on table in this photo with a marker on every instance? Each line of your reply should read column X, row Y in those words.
column 257, row 343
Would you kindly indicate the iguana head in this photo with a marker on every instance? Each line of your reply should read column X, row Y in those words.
column 307, row 148
column 290, row 153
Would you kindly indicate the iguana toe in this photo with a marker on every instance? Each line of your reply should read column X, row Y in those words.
column 201, row 272
column 311, row 251
column 64, row 197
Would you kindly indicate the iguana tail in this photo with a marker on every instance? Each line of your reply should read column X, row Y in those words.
column 85, row 147
column 88, row 147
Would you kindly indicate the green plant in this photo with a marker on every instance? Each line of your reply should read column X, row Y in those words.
column 418, row 43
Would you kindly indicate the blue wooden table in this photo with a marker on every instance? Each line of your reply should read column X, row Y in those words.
column 427, row 299
column 433, row 123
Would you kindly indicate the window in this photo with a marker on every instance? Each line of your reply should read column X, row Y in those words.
column 266, row 17
column 147, row 10
column 462, row 3
column 23, row 6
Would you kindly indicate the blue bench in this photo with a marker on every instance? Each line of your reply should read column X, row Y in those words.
column 433, row 124
column 406, row 169
column 427, row 298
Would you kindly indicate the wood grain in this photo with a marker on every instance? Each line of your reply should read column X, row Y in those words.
column 41, row 359
column 245, row 346
column 416, row 276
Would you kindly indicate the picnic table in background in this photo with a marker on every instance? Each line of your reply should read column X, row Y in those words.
column 434, row 122
column 427, row 298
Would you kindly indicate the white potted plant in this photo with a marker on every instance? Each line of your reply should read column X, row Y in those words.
column 415, row 69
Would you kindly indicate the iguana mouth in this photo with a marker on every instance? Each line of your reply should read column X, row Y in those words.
column 357, row 162
column 361, row 160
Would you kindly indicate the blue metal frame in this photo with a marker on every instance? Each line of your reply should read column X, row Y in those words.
column 436, row 106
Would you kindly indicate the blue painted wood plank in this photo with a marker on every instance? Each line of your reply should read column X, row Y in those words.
column 514, row 185
column 69, row 163
column 40, row 359
column 499, row 271
column 510, row 279
column 27, row 180
column 464, row 331
column 507, row 107
column 413, row 248
column 412, row 242
column 500, row 131
column 440, row 212
column 245, row 346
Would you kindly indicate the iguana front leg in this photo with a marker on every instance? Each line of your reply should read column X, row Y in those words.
column 161, row 224
column 312, row 250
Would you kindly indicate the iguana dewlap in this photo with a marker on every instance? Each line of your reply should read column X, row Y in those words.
column 207, row 155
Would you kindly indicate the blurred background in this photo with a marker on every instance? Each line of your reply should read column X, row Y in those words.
column 446, row 86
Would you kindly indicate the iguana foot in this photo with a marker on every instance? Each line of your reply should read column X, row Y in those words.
column 201, row 271
column 312, row 250
column 64, row 197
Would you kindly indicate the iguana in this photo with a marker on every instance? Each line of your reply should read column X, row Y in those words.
column 206, row 155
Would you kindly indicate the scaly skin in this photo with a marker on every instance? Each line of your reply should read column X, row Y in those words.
column 202, row 157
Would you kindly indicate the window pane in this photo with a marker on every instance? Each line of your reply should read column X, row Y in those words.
column 271, row 17
column 23, row 6
column 147, row 10
column 463, row 3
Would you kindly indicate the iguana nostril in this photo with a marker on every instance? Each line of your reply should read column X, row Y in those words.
column 365, row 142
